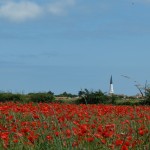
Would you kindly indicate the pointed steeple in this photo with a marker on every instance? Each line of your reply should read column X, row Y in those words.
column 111, row 82
column 111, row 89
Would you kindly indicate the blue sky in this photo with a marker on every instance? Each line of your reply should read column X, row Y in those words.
column 69, row 45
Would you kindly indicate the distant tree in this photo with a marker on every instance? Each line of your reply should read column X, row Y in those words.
column 50, row 92
column 80, row 93
column 92, row 97
column 65, row 94
column 41, row 97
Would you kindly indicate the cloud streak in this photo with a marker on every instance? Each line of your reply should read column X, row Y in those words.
column 24, row 10
column 19, row 11
column 60, row 7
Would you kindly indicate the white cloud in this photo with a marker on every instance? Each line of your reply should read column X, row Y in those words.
column 23, row 10
column 59, row 7
column 20, row 11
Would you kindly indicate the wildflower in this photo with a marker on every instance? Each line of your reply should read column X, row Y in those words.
column 90, row 139
column 141, row 132
column 124, row 147
column 15, row 141
column 118, row 142
column 57, row 133
column 100, row 128
column 75, row 144
column 49, row 138
column 68, row 133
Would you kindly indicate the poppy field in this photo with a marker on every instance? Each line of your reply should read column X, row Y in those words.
column 53, row 126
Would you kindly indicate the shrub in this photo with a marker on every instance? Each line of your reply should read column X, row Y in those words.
column 113, row 99
column 92, row 97
column 65, row 94
column 147, row 97
column 10, row 97
column 41, row 97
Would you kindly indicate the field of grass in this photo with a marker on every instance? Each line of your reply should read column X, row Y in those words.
column 119, row 101
column 53, row 126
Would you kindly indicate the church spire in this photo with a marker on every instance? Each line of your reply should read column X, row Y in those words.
column 111, row 80
column 111, row 89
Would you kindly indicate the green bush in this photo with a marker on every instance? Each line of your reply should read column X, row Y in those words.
column 147, row 97
column 65, row 94
column 92, row 97
column 127, row 103
column 10, row 97
column 113, row 99
column 41, row 97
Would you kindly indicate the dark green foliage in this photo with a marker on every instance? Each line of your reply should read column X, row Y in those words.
column 81, row 93
column 129, row 103
column 113, row 99
column 41, row 97
column 147, row 97
column 92, row 97
column 50, row 92
column 65, row 94
column 10, row 97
